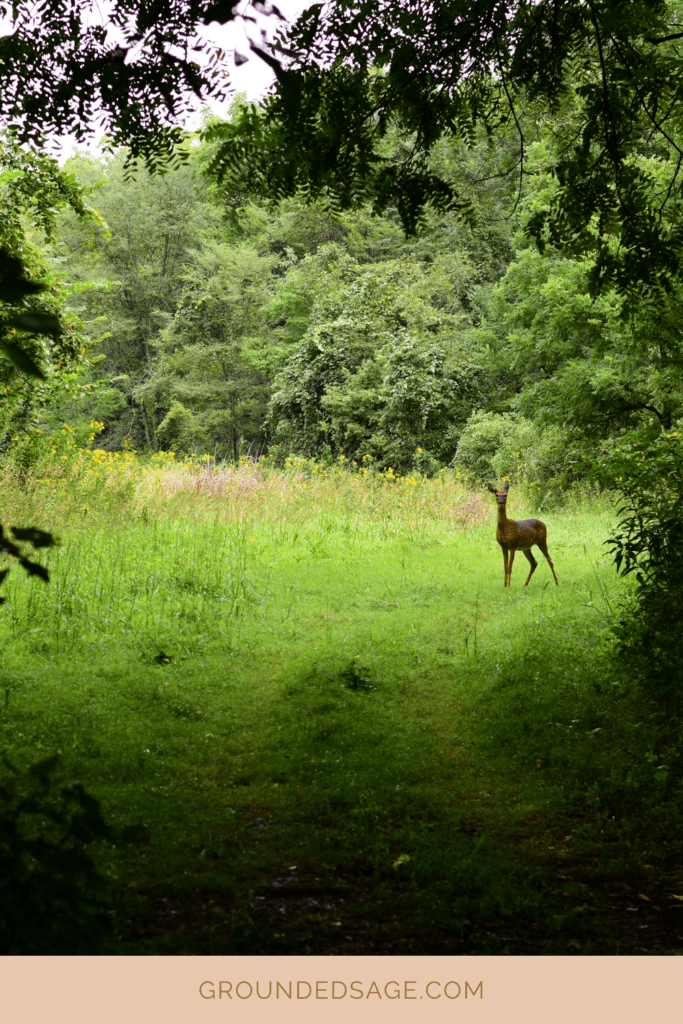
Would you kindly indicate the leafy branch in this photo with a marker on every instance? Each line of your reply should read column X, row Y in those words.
column 14, row 287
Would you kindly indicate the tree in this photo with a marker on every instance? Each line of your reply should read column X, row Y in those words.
column 41, row 339
column 141, row 251
column 609, row 72
column 581, row 365
column 353, row 71
column 385, row 368
column 209, row 353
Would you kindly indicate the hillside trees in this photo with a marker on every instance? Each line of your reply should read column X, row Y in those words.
column 186, row 345
column 212, row 357
column 585, row 374
column 210, row 295
column 149, row 226
column 584, row 366
column 220, row 305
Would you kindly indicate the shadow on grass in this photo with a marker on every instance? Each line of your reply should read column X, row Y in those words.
column 376, row 843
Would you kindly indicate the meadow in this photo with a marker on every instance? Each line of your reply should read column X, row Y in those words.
column 315, row 721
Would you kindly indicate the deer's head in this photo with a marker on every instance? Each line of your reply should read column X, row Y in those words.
column 501, row 495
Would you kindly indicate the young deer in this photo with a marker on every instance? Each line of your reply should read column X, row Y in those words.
column 519, row 535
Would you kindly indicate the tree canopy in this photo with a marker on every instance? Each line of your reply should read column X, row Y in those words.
column 608, row 73
column 351, row 72
column 37, row 336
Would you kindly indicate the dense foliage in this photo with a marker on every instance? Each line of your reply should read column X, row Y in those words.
column 133, row 72
column 647, row 468
column 352, row 72
column 43, row 344
column 231, row 326
column 215, row 308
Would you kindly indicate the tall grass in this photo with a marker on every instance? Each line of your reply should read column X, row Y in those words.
column 171, row 555
column 102, row 485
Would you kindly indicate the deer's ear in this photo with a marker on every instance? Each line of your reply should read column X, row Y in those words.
column 491, row 488
column 507, row 485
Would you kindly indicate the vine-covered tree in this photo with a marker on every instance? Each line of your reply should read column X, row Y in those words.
column 387, row 369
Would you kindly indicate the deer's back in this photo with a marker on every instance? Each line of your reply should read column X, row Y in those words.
column 522, row 533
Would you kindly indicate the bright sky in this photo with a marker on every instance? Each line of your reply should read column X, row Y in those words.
column 252, row 78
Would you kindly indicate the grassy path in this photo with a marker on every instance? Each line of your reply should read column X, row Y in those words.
column 340, row 734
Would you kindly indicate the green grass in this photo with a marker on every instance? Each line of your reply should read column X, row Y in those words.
column 339, row 731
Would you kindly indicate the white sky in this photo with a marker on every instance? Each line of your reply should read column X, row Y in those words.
column 252, row 78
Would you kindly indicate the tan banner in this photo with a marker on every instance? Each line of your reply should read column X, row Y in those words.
column 279, row 990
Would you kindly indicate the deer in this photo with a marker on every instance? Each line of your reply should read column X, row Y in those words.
column 521, row 534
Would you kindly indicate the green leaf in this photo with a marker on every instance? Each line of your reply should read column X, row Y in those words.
column 36, row 323
column 14, row 289
column 13, row 285
column 21, row 360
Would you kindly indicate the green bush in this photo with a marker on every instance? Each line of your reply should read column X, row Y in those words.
column 646, row 468
column 177, row 427
column 479, row 442
column 496, row 445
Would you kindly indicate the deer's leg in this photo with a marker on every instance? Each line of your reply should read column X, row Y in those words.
column 544, row 548
column 505, row 560
column 512, row 558
column 532, row 562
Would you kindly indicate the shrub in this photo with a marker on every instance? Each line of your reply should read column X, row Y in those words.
column 496, row 445
column 646, row 468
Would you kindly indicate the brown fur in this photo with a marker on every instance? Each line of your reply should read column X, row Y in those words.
column 519, row 535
